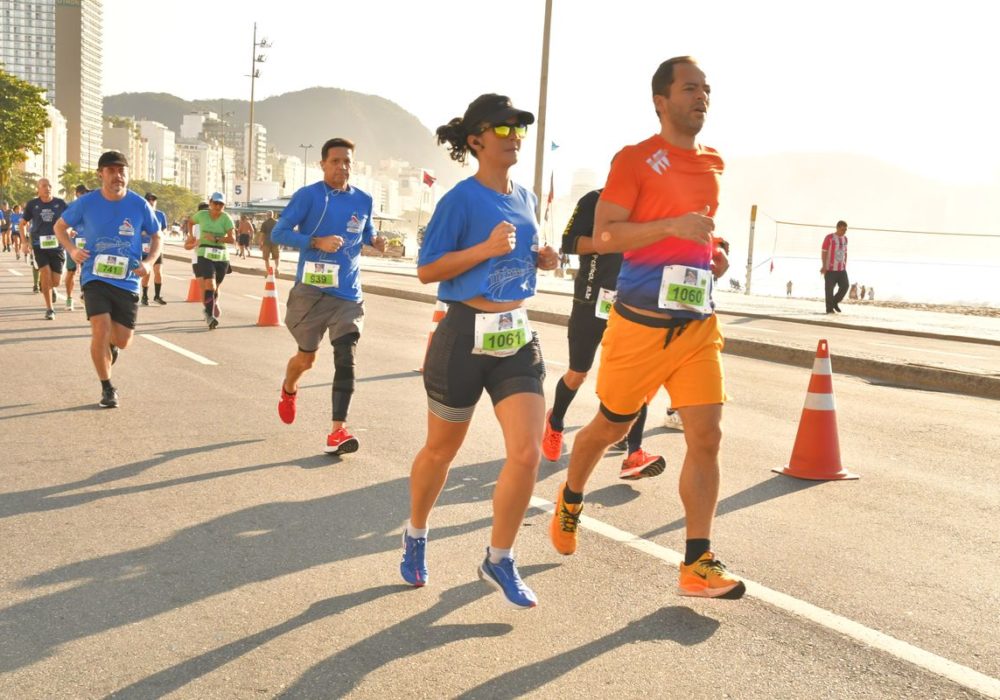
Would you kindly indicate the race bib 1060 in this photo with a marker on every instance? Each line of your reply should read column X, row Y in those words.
column 684, row 288
column 605, row 300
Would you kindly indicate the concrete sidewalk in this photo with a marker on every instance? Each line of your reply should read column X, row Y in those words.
column 397, row 277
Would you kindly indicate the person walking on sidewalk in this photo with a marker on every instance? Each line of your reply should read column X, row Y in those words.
column 833, row 254
column 268, row 248
column 41, row 215
column 333, row 220
column 112, row 220
column 657, row 209
column 215, row 230
column 158, row 264
column 482, row 247
column 593, row 296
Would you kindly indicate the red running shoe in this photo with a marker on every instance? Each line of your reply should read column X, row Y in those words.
column 286, row 406
column 341, row 442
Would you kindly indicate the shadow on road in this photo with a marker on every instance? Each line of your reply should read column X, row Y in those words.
column 775, row 487
column 260, row 543
column 674, row 624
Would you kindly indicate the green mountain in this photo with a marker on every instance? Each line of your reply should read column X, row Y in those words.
column 380, row 128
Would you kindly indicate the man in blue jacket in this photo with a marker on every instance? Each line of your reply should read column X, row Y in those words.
column 328, row 221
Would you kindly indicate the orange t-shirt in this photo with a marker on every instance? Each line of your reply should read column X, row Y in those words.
column 656, row 180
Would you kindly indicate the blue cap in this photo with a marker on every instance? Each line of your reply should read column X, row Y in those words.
column 217, row 197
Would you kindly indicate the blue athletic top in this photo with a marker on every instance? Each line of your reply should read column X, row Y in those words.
column 464, row 217
column 317, row 210
column 112, row 228
column 15, row 221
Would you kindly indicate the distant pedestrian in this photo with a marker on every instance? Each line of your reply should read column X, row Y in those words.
column 871, row 294
column 268, row 248
column 244, row 236
column 853, row 294
column 834, row 269
column 788, row 289
column 862, row 292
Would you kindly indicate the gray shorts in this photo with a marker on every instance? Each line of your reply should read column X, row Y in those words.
column 311, row 313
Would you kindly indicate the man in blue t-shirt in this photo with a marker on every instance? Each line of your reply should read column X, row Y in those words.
column 157, row 277
column 333, row 221
column 41, row 214
column 111, row 263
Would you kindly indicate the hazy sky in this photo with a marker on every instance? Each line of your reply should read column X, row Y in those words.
column 911, row 83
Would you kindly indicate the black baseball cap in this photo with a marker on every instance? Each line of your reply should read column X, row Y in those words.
column 81, row 189
column 150, row 197
column 112, row 158
column 494, row 109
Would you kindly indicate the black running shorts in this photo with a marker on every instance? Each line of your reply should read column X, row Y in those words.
column 207, row 269
column 53, row 258
column 103, row 298
column 454, row 378
column 584, row 333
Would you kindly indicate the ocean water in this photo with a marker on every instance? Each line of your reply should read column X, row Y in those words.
column 970, row 283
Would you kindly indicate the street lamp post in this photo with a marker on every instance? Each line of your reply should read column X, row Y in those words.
column 543, row 90
column 305, row 160
column 222, row 143
column 254, row 74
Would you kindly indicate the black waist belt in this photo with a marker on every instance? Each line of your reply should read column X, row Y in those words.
column 673, row 326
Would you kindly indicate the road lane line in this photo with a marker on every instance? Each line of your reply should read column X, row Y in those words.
column 962, row 675
column 256, row 298
column 178, row 349
column 175, row 277
column 15, row 272
column 949, row 353
column 744, row 327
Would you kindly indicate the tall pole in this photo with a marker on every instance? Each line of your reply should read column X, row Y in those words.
column 753, row 224
column 305, row 160
column 253, row 78
column 542, row 97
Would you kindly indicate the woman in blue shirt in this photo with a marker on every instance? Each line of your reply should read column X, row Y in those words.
column 482, row 247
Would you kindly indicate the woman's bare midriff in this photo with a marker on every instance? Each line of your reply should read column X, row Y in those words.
column 485, row 305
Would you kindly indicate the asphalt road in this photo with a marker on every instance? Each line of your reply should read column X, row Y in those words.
column 190, row 543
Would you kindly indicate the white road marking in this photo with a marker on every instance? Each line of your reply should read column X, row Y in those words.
column 744, row 327
column 256, row 298
column 178, row 349
column 962, row 675
column 15, row 272
column 949, row 353
column 175, row 277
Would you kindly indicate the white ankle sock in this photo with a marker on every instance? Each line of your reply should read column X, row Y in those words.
column 416, row 532
column 497, row 555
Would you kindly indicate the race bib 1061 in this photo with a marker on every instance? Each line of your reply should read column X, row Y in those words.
column 501, row 334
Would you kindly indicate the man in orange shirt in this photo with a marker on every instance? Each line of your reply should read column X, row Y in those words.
column 657, row 210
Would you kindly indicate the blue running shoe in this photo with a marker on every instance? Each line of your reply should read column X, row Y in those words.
column 412, row 568
column 504, row 578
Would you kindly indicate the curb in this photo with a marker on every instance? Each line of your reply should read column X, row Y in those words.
column 876, row 371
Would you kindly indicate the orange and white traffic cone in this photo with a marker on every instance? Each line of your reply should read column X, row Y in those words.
column 816, row 454
column 269, row 313
column 440, row 309
column 194, row 291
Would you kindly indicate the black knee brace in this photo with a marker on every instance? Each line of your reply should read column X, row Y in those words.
column 344, row 349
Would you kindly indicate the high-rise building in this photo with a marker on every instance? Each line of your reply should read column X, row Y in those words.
column 162, row 152
column 122, row 134
column 28, row 42
column 78, row 77
column 51, row 159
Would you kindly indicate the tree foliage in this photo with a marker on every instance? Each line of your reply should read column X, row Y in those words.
column 20, row 188
column 177, row 203
column 71, row 176
column 22, row 125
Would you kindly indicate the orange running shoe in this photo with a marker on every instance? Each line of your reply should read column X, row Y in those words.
column 640, row 464
column 552, row 441
column 565, row 519
column 708, row 578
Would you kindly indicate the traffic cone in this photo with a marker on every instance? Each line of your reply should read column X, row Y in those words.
column 816, row 454
column 269, row 313
column 440, row 309
column 194, row 291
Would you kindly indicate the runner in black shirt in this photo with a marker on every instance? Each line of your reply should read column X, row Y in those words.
column 593, row 294
column 41, row 214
